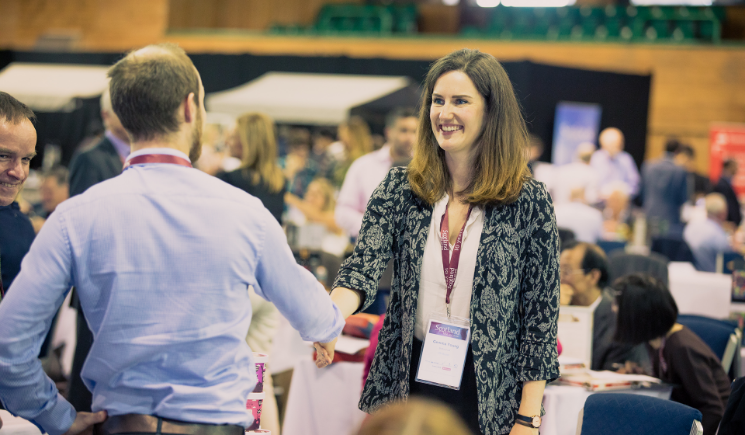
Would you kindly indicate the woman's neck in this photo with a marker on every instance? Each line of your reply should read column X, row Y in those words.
column 461, row 170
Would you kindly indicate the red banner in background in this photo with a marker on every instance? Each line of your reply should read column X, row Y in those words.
column 727, row 141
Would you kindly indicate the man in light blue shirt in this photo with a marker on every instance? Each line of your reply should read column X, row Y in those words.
column 161, row 257
column 616, row 167
column 706, row 237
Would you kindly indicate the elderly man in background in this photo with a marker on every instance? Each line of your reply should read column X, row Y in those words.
column 367, row 172
column 663, row 193
column 17, row 148
column 162, row 258
column 615, row 166
column 707, row 237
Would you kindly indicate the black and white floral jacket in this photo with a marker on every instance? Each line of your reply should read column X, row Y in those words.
column 514, row 306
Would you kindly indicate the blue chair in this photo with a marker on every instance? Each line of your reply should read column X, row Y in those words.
column 722, row 336
column 609, row 246
column 623, row 414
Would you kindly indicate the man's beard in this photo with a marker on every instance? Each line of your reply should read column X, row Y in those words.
column 196, row 139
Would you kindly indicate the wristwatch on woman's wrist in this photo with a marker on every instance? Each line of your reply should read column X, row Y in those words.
column 534, row 421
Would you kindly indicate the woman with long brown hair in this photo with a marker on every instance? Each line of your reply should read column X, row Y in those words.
column 474, row 245
column 254, row 142
column 354, row 133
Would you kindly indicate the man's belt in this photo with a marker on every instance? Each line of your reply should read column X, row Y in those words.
column 139, row 423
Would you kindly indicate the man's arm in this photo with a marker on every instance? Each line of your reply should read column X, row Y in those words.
column 26, row 313
column 295, row 292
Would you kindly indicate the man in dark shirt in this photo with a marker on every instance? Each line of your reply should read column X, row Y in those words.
column 585, row 268
column 724, row 186
column 664, row 191
column 92, row 166
column 17, row 145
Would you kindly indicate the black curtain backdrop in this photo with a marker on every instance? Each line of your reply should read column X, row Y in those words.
column 624, row 98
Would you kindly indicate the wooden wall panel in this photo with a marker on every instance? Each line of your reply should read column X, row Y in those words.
column 692, row 86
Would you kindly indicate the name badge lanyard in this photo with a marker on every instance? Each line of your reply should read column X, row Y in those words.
column 157, row 158
column 450, row 264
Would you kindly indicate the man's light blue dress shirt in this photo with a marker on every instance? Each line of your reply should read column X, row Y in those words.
column 162, row 257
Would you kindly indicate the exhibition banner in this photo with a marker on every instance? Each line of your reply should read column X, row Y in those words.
column 574, row 123
column 727, row 141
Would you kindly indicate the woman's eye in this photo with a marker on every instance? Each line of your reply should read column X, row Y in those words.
column 438, row 101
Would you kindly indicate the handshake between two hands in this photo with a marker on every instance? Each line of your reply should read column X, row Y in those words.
column 324, row 353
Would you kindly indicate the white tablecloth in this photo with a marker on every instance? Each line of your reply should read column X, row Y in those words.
column 324, row 401
column 16, row 425
column 563, row 404
column 701, row 293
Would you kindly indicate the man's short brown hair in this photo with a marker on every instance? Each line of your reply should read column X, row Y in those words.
column 13, row 111
column 148, row 87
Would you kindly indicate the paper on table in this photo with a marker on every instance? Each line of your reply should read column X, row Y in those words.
column 351, row 345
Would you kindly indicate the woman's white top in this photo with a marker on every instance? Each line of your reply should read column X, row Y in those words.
column 432, row 288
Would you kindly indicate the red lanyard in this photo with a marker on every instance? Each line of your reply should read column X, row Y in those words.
column 450, row 265
column 157, row 158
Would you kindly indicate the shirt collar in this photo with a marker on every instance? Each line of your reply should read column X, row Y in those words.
column 597, row 302
column 384, row 154
column 439, row 210
column 121, row 147
column 167, row 151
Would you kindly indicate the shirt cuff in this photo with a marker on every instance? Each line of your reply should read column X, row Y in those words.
column 57, row 418
column 328, row 334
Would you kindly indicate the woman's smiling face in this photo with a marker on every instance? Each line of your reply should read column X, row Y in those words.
column 456, row 113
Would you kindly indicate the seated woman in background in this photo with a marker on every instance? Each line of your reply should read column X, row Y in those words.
column 647, row 313
column 317, row 209
column 254, row 142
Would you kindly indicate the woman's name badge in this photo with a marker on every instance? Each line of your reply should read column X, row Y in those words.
column 444, row 353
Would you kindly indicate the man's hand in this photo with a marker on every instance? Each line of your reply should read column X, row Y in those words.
column 83, row 424
column 324, row 353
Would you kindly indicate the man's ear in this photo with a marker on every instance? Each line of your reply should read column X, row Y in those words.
column 190, row 108
column 595, row 276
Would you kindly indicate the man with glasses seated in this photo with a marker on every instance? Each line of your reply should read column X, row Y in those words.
column 584, row 268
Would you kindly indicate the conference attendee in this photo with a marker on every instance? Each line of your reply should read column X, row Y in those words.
column 367, row 172
column 586, row 222
column 541, row 171
column 105, row 159
column 578, row 174
column 320, row 154
column 706, row 237
column 17, row 148
column 298, row 168
column 254, row 142
column 617, row 216
column 584, row 268
column 55, row 188
column 315, row 213
column 724, row 186
column 354, row 142
column 162, row 258
column 615, row 166
column 647, row 314
column 88, row 168
column 469, row 186
column 698, row 185
column 664, row 191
